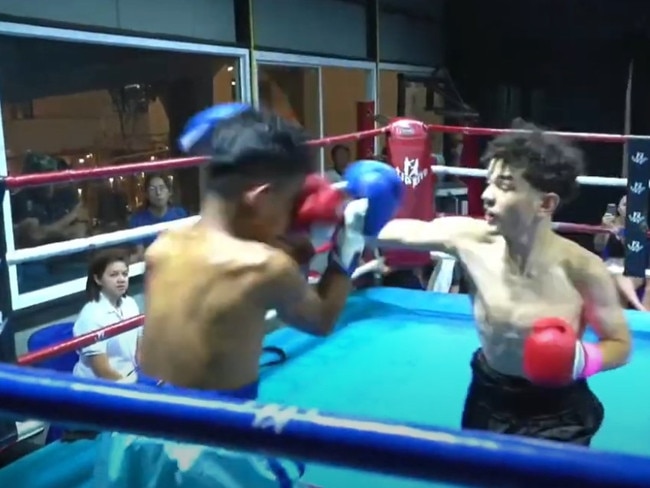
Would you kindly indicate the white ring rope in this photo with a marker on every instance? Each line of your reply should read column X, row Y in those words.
column 73, row 246
column 64, row 248
column 482, row 173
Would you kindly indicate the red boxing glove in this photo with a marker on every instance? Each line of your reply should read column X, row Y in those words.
column 551, row 352
column 319, row 203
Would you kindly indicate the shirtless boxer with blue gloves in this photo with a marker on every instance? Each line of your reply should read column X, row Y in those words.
column 533, row 294
column 210, row 285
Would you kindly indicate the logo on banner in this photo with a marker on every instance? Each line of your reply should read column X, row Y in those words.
column 636, row 217
column 412, row 175
column 635, row 246
column 639, row 158
column 637, row 188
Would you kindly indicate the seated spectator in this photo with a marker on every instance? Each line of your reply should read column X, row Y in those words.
column 43, row 215
column 611, row 246
column 157, row 209
column 112, row 208
column 340, row 155
column 46, row 214
column 115, row 358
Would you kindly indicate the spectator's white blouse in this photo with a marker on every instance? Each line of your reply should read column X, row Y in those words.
column 120, row 349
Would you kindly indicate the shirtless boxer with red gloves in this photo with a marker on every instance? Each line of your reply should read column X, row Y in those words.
column 210, row 285
column 533, row 293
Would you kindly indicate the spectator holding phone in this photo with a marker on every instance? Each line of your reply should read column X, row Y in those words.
column 611, row 246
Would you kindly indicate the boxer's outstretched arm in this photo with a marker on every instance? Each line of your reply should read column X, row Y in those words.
column 603, row 309
column 299, row 305
column 442, row 234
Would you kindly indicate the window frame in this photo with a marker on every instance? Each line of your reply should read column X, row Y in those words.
column 21, row 301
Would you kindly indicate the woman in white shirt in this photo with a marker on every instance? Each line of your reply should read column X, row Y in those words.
column 114, row 358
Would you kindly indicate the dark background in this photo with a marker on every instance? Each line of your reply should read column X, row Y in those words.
column 569, row 60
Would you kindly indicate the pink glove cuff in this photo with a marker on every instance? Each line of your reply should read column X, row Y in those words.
column 593, row 360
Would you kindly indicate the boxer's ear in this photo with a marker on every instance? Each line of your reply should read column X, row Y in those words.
column 255, row 195
column 549, row 203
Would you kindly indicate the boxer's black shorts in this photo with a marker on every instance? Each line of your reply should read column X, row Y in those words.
column 512, row 405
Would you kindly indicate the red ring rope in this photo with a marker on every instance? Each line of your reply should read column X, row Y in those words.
column 21, row 181
column 577, row 136
column 569, row 227
column 81, row 341
column 72, row 175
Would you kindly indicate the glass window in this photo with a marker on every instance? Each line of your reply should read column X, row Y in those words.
column 292, row 92
column 415, row 98
column 388, row 93
column 343, row 88
column 70, row 105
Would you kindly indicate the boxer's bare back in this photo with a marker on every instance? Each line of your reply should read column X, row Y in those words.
column 205, row 309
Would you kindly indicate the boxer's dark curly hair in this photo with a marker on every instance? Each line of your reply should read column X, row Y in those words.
column 258, row 145
column 550, row 163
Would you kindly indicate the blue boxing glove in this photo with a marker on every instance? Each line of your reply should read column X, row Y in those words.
column 376, row 191
column 195, row 138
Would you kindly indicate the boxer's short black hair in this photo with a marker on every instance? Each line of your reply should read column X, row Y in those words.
column 258, row 145
column 550, row 164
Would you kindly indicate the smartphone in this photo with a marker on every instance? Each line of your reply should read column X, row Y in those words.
column 611, row 208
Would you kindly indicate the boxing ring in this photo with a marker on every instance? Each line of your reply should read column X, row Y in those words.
column 397, row 355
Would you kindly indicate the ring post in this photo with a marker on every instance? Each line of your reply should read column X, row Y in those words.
column 7, row 342
column 467, row 458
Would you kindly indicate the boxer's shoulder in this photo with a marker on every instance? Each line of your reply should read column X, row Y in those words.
column 166, row 244
column 279, row 263
column 197, row 250
column 282, row 274
column 580, row 264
